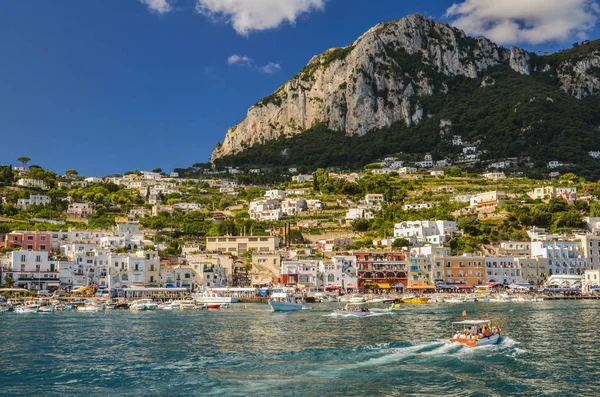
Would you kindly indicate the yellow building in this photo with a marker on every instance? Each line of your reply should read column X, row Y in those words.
column 465, row 270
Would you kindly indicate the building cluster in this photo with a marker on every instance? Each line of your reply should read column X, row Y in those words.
column 278, row 203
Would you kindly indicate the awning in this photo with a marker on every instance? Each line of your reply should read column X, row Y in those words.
column 399, row 286
column 595, row 287
column 384, row 286
column 445, row 286
column 464, row 286
column 423, row 287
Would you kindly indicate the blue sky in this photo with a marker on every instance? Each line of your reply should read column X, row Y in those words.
column 115, row 85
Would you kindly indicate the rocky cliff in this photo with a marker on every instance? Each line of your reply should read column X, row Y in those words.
column 379, row 79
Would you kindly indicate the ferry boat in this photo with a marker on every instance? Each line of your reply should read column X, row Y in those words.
column 477, row 340
column 282, row 301
column 210, row 297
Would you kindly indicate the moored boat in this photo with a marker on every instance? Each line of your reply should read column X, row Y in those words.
column 415, row 300
column 46, row 309
column 143, row 304
column 282, row 301
column 209, row 297
column 470, row 336
column 27, row 309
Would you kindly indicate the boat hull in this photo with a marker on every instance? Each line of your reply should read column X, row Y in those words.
column 492, row 340
column 285, row 306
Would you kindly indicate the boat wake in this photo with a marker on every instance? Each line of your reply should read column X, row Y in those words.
column 357, row 314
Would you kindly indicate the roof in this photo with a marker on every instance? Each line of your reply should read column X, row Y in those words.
column 472, row 322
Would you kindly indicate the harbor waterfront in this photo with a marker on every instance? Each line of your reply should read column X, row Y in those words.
column 549, row 348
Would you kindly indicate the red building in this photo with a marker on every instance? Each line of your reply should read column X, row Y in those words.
column 385, row 269
column 27, row 241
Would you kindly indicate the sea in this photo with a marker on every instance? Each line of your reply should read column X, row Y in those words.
column 550, row 348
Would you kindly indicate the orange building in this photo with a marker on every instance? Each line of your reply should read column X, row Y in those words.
column 464, row 271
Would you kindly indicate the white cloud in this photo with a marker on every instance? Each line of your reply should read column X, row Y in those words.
column 249, row 15
column 159, row 6
column 525, row 21
column 239, row 59
column 271, row 68
column 246, row 61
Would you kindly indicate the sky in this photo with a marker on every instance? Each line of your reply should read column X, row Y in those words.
column 108, row 86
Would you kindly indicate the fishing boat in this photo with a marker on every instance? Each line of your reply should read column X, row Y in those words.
column 415, row 300
column 354, row 310
column 477, row 340
column 282, row 301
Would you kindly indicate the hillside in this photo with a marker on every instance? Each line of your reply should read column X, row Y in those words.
column 413, row 86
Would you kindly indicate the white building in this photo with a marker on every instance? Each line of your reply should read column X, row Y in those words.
column 34, row 199
column 374, row 200
column 418, row 207
column 32, row 270
column 359, row 213
column 275, row 194
column 292, row 207
column 187, row 206
column 503, row 270
column 315, row 205
column 437, row 173
column 302, row 178
column 266, row 210
column 80, row 209
column 302, row 272
column 435, row 232
column 26, row 182
column 591, row 281
column 341, row 271
column 555, row 164
column 213, row 276
column 494, row 176
column 565, row 257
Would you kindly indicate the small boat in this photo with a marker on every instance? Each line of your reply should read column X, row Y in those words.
column 46, row 309
column 143, row 304
column 66, row 307
column 476, row 340
column 380, row 300
column 169, row 306
column 282, row 301
column 27, row 309
column 354, row 310
column 215, row 306
column 91, row 307
column 415, row 300
column 186, row 304
column 5, row 307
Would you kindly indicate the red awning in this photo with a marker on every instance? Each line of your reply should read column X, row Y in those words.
column 333, row 288
column 464, row 286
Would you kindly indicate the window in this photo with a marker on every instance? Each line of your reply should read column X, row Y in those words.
column 187, row 275
column 22, row 258
column 29, row 238
column 38, row 258
column 42, row 247
column 30, row 247
column 43, row 238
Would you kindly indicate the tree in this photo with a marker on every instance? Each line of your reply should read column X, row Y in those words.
column 9, row 281
column 400, row 243
column 159, row 170
column 71, row 173
column 24, row 160
column 360, row 225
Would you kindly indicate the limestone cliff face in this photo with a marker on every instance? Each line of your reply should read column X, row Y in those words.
column 377, row 81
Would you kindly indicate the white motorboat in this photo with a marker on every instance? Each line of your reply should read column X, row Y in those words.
column 209, row 297
column 91, row 306
column 354, row 310
column 380, row 300
column 282, row 301
column 46, row 309
column 169, row 306
column 143, row 304
column 27, row 309
column 354, row 298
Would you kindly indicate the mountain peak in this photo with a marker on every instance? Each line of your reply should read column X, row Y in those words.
column 377, row 81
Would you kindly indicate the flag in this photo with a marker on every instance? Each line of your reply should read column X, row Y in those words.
column 464, row 313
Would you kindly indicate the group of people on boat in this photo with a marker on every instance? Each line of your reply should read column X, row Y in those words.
column 477, row 333
column 354, row 309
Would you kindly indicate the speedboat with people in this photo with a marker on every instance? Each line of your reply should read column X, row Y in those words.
column 475, row 333
column 354, row 309
column 282, row 301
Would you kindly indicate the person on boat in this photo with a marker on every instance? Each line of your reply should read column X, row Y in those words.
column 486, row 332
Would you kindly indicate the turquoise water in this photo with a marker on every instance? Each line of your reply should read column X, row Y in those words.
column 550, row 348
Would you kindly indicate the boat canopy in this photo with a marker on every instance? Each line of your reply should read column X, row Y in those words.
column 472, row 322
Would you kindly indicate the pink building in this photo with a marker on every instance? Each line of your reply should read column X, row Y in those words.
column 27, row 241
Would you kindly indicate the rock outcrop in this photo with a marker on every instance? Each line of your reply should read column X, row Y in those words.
column 377, row 81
